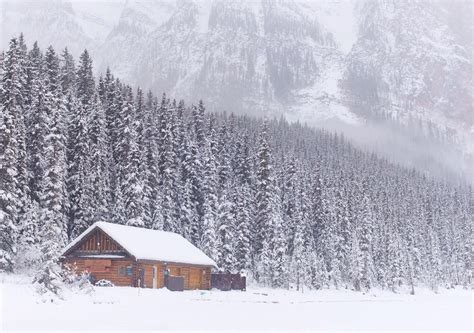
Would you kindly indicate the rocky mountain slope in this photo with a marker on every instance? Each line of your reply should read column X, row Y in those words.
column 413, row 62
column 407, row 64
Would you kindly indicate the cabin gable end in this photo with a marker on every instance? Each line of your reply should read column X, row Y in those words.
column 97, row 242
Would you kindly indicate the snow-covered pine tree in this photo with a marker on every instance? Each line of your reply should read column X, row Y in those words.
column 395, row 253
column 366, row 221
column 53, row 198
column 85, row 79
column 434, row 261
column 21, row 136
column 28, row 254
column 270, row 241
column 192, row 172
column 209, row 220
column 53, row 186
column 298, row 263
column 242, row 163
column 36, row 120
column 243, row 248
column 265, row 191
column 11, row 104
column 301, row 238
column 278, row 245
column 98, row 189
column 68, row 73
column 169, row 168
column 317, row 276
column 80, row 106
column 132, row 183
column 198, row 123
column 149, row 165
column 78, row 162
column 188, row 213
column 223, row 147
column 330, row 238
column 225, row 234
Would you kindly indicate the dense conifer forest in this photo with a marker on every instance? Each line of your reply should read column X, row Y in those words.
column 288, row 204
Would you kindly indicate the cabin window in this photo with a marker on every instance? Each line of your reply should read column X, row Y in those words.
column 126, row 271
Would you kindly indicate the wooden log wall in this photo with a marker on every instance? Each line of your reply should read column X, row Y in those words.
column 195, row 277
column 108, row 269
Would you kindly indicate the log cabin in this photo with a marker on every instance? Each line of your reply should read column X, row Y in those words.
column 137, row 257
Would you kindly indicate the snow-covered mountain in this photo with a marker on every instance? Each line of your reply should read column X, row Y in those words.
column 75, row 24
column 261, row 57
column 407, row 63
column 412, row 62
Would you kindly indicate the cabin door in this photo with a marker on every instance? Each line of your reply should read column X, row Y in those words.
column 155, row 277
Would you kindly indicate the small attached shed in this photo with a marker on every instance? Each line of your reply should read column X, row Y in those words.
column 138, row 257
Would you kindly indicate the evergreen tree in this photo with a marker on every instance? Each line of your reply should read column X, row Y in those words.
column 278, row 247
column 396, row 267
column 365, row 243
column 169, row 169
column 11, row 195
column 53, row 187
column 225, row 241
column 243, row 220
column 265, row 191
column 299, row 252
column 36, row 120
column 100, row 158
column 209, row 222
column 188, row 213
column 132, row 185
column 78, row 163
column 198, row 123
column 53, row 198
column 85, row 80
column 68, row 73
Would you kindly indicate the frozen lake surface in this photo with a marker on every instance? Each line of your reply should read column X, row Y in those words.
column 124, row 308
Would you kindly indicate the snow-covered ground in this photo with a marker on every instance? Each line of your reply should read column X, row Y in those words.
column 123, row 308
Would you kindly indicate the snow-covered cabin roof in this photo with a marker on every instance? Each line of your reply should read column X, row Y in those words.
column 148, row 244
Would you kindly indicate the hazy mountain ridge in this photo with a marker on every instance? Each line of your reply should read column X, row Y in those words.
column 422, row 73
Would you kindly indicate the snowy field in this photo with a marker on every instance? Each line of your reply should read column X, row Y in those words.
column 123, row 308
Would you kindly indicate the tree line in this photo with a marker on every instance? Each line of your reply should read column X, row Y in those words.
column 288, row 204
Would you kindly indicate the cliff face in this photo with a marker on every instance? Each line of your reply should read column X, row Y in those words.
column 412, row 63
column 240, row 56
